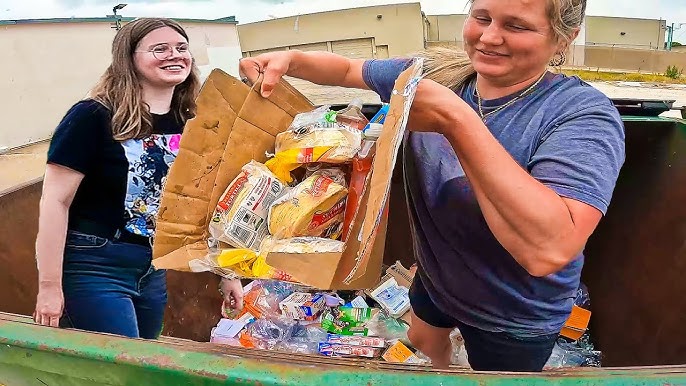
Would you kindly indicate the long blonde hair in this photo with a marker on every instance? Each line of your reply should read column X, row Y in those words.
column 119, row 88
column 452, row 67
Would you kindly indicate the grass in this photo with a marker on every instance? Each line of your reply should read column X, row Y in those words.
column 609, row 76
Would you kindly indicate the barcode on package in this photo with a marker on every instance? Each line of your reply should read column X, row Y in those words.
column 248, row 219
column 242, row 235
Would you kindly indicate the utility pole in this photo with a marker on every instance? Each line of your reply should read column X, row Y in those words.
column 670, row 35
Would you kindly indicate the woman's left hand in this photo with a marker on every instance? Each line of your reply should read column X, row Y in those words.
column 436, row 108
column 232, row 290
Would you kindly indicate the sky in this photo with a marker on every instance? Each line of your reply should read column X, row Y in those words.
column 246, row 11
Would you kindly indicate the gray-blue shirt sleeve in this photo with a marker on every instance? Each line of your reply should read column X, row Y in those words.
column 580, row 158
column 380, row 74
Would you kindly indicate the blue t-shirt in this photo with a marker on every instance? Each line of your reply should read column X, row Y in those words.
column 568, row 136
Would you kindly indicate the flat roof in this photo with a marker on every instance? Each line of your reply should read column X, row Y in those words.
column 223, row 20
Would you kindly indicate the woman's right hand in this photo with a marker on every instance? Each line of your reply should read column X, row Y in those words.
column 49, row 305
column 272, row 65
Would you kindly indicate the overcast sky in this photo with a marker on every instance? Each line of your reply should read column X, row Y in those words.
column 254, row 10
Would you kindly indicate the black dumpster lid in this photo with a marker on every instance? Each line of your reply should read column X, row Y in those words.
column 642, row 107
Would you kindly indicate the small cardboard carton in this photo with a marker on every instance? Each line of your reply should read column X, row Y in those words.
column 234, row 124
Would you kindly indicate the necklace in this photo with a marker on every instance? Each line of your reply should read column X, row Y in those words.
column 509, row 103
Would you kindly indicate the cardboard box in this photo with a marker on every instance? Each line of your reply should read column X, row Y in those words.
column 302, row 306
column 235, row 124
column 399, row 353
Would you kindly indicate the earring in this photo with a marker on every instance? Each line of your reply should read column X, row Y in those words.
column 559, row 59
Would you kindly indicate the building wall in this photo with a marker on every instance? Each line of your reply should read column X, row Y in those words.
column 394, row 29
column 50, row 66
column 625, row 32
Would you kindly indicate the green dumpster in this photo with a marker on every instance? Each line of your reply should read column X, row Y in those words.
column 635, row 265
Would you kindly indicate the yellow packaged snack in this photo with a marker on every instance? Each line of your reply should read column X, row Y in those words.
column 315, row 207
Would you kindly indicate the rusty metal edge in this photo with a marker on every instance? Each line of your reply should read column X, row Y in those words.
column 207, row 361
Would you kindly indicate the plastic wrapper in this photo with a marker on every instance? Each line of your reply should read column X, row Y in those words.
column 388, row 327
column 313, row 137
column 345, row 350
column 347, row 320
column 238, row 263
column 579, row 353
column 306, row 245
column 315, row 207
column 240, row 218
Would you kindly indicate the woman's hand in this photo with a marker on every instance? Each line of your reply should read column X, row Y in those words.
column 436, row 108
column 273, row 65
column 49, row 305
column 232, row 291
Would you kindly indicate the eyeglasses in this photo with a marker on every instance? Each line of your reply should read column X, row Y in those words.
column 165, row 51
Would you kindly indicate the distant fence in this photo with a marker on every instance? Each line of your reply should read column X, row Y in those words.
column 633, row 59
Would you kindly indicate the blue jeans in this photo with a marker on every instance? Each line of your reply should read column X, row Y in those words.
column 111, row 287
column 486, row 351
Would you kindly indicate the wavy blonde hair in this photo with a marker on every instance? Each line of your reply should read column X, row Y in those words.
column 119, row 88
column 452, row 68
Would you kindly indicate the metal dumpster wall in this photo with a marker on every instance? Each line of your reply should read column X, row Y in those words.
column 635, row 265
column 194, row 302
column 18, row 228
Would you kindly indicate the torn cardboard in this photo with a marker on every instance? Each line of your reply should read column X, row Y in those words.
column 234, row 125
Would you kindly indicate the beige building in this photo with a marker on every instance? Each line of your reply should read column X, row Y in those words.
column 392, row 30
column 368, row 32
column 49, row 64
column 625, row 32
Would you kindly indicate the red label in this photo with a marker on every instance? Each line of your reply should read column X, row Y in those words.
column 321, row 218
column 307, row 155
column 319, row 186
column 230, row 196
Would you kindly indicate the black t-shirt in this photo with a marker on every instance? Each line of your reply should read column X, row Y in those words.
column 123, row 180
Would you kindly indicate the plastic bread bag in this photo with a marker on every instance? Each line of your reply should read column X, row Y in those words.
column 315, row 207
column 240, row 218
column 313, row 137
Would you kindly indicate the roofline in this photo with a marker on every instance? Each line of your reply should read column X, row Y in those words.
column 407, row 3
column 111, row 18
column 587, row 16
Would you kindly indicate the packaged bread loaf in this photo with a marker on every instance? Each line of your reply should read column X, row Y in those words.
column 240, row 218
column 315, row 207
column 313, row 138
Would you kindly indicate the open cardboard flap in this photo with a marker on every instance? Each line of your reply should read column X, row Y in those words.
column 235, row 125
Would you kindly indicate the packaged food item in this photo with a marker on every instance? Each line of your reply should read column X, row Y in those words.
column 315, row 207
column 344, row 350
column 368, row 341
column 361, row 171
column 240, row 218
column 392, row 297
column 305, row 245
column 313, row 137
column 399, row 353
column 379, row 117
column 352, row 115
column 302, row 306
column 347, row 320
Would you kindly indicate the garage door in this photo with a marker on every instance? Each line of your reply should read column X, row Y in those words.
column 354, row 48
column 302, row 85
column 311, row 47
column 259, row 52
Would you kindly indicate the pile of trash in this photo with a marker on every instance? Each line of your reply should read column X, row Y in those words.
column 288, row 317
column 302, row 200
column 370, row 324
